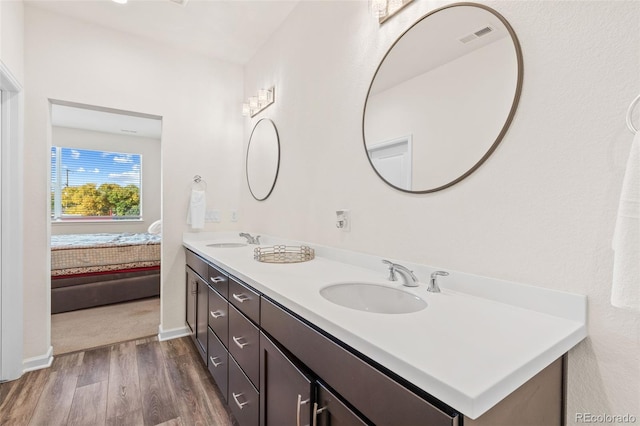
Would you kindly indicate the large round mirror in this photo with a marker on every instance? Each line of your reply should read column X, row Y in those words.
column 263, row 159
column 442, row 98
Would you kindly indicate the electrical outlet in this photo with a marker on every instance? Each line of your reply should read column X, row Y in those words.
column 234, row 215
column 343, row 220
column 212, row 216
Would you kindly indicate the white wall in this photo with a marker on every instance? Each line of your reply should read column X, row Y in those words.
column 149, row 148
column 198, row 99
column 540, row 211
column 11, row 36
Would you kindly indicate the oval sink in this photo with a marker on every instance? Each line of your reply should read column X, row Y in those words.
column 373, row 298
column 226, row 245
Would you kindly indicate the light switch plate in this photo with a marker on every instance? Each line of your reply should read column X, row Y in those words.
column 212, row 216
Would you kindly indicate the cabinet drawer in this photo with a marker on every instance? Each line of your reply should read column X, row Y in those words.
column 219, row 280
column 245, row 299
column 219, row 316
column 198, row 264
column 244, row 399
column 218, row 363
column 244, row 344
column 376, row 395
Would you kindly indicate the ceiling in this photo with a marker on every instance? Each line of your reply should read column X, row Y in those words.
column 229, row 30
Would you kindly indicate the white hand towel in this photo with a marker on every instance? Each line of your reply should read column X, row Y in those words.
column 625, row 291
column 197, row 208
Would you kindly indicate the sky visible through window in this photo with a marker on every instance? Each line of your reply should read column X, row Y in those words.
column 80, row 166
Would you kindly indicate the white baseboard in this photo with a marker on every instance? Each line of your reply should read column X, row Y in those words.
column 174, row 333
column 38, row 362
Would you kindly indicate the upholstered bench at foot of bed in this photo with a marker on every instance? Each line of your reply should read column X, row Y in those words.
column 87, row 291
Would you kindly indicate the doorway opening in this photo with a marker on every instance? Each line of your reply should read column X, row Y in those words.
column 105, row 191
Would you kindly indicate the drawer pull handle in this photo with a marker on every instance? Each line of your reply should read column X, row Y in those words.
column 216, row 314
column 240, row 344
column 241, row 297
column 217, row 280
column 213, row 361
column 240, row 404
column 317, row 411
column 299, row 406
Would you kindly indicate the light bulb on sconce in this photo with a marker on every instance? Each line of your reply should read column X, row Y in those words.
column 257, row 103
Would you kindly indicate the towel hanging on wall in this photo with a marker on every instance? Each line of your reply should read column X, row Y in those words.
column 625, row 291
column 197, row 203
column 197, row 207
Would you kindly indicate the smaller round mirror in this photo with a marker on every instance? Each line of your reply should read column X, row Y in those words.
column 263, row 159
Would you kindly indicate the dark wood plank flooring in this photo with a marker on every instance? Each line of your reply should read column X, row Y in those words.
column 142, row 382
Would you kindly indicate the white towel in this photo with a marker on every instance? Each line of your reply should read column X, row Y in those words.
column 197, row 208
column 625, row 291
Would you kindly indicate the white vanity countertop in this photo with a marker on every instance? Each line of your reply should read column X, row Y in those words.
column 469, row 351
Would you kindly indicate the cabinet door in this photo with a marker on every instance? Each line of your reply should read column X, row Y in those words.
column 202, row 317
column 191, row 292
column 329, row 410
column 285, row 389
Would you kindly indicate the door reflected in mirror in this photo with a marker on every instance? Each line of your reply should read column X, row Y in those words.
column 263, row 159
column 442, row 98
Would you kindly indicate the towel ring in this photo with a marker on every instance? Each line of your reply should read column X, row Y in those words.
column 629, row 112
column 199, row 183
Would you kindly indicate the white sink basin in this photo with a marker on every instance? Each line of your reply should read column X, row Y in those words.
column 373, row 298
column 226, row 245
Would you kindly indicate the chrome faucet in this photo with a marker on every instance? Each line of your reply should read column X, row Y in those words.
column 433, row 282
column 408, row 277
column 251, row 239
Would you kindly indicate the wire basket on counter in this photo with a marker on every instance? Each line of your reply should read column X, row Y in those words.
column 283, row 254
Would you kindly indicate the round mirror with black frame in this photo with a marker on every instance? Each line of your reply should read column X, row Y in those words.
column 442, row 98
column 263, row 159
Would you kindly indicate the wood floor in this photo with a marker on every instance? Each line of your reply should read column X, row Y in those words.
column 142, row 382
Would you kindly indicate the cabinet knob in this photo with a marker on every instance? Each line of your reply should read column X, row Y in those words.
column 216, row 314
column 216, row 280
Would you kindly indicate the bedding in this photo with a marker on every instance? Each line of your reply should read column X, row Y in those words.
column 94, row 253
column 90, row 270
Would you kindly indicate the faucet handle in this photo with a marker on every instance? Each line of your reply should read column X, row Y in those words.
column 433, row 283
column 392, row 270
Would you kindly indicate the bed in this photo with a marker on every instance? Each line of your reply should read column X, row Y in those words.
column 90, row 270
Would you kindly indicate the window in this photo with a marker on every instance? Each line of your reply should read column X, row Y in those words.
column 94, row 185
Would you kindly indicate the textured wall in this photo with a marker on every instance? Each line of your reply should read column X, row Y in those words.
column 540, row 211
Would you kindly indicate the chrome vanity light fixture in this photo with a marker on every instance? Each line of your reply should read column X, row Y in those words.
column 385, row 9
column 256, row 104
